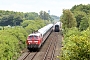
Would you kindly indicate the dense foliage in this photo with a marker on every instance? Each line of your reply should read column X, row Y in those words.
column 32, row 26
column 13, row 39
column 76, row 42
column 82, row 12
column 16, row 18
column 76, row 45
column 43, row 15
column 11, row 20
column 68, row 19
column 14, row 29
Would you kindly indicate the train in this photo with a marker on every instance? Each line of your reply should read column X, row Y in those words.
column 36, row 40
column 57, row 26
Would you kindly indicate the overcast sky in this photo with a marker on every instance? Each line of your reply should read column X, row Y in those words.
column 55, row 6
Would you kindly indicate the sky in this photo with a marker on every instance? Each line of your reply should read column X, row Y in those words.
column 55, row 6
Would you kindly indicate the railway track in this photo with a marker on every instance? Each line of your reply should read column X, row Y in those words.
column 25, row 56
column 46, row 52
column 49, row 55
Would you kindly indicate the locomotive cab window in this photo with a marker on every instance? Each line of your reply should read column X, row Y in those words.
column 30, row 37
column 35, row 37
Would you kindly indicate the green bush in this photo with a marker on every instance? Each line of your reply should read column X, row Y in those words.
column 76, row 45
column 9, row 46
column 13, row 39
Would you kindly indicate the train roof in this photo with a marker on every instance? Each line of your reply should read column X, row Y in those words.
column 45, row 29
column 34, row 34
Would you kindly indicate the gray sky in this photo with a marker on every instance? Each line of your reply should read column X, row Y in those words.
column 55, row 6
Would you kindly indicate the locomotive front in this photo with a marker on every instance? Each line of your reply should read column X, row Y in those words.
column 34, row 40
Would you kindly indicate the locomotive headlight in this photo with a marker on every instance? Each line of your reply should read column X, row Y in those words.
column 36, row 41
column 29, row 41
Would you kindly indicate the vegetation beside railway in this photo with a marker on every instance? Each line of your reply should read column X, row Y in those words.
column 76, row 43
column 13, row 39
column 76, row 32
column 14, row 29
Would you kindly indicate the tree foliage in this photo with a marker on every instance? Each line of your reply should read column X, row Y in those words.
column 81, row 7
column 76, row 43
column 16, row 18
column 45, row 16
column 10, row 18
column 79, row 15
column 84, row 24
column 81, row 12
column 34, row 25
column 30, row 16
column 13, row 39
column 68, row 19
column 14, row 29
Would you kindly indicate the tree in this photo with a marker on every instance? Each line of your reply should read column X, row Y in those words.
column 84, row 24
column 7, row 20
column 31, row 16
column 43, row 15
column 81, row 7
column 68, row 19
column 80, row 12
column 89, row 21
column 79, row 15
column 17, row 20
column 11, row 20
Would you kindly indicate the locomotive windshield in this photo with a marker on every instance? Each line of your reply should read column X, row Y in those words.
column 30, row 37
column 33, row 37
